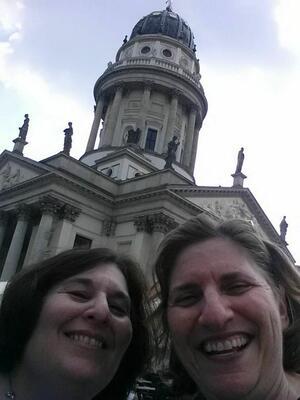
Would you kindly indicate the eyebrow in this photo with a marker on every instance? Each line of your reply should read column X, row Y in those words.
column 119, row 294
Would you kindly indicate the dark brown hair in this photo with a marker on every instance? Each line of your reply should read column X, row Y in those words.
column 24, row 297
column 276, row 266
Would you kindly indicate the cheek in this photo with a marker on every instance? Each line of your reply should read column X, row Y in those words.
column 179, row 321
column 125, row 332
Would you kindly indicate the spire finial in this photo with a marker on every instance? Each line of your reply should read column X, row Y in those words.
column 169, row 5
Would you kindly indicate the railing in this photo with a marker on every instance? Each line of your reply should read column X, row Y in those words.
column 158, row 63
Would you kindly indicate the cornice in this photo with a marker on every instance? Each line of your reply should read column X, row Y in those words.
column 50, row 178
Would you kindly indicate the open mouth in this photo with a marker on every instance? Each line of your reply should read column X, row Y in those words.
column 87, row 340
column 229, row 345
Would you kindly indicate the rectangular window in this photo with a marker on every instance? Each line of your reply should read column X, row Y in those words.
column 151, row 139
column 82, row 242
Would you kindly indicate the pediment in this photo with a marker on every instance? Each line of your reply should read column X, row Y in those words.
column 13, row 172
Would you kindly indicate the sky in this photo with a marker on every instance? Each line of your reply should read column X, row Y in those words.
column 52, row 53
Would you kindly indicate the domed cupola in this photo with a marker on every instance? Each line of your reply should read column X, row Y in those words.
column 151, row 102
column 166, row 23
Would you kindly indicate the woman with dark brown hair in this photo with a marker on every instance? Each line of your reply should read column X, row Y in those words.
column 73, row 327
column 230, row 309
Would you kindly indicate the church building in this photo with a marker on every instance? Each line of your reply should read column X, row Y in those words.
column 134, row 181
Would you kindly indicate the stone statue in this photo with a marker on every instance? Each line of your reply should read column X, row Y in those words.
column 171, row 155
column 283, row 228
column 134, row 136
column 125, row 40
column 24, row 128
column 169, row 5
column 68, row 139
column 240, row 161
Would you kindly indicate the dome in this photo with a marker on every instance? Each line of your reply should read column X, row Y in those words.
column 165, row 23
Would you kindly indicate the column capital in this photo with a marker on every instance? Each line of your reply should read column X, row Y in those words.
column 109, row 227
column 157, row 222
column 3, row 217
column 142, row 223
column 162, row 223
column 50, row 205
column 176, row 93
column 23, row 212
column 69, row 212
column 193, row 108
column 148, row 84
column 119, row 86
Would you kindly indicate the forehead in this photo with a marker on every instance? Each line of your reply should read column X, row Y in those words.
column 216, row 256
column 107, row 275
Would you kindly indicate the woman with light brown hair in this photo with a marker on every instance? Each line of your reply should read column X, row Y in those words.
column 230, row 309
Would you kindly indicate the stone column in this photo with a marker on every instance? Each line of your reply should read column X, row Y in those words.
column 142, row 240
column 61, row 240
column 109, row 137
column 49, row 207
column 171, row 119
column 3, row 220
column 194, row 151
column 15, row 248
column 188, row 148
column 161, row 224
column 95, row 126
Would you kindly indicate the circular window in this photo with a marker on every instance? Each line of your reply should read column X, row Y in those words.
column 167, row 53
column 145, row 50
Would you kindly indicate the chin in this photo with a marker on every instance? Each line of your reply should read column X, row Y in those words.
column 231, row 389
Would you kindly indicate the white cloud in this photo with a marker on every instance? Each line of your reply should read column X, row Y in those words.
column 287, row 14
column 11, row 15
column 49, row 111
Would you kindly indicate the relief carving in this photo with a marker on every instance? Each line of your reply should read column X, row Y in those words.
column 9, row 176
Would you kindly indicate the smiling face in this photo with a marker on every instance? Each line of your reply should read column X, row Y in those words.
column 83, row 330
column 225, row 321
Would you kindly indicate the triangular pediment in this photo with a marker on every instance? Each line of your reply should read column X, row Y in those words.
column 17, row 169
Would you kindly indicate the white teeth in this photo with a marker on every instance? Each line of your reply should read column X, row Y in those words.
column 220, row 346
column 86, row 340
column 228, row 344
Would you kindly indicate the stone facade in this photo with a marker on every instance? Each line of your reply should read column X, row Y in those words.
column 119, row 194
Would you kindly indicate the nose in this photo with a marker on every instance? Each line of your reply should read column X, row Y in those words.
column 216, row 311
column 98, row 310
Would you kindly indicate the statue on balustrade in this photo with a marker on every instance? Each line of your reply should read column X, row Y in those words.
column 171, row 154
column 283, row 228
column 24, row 128
column 68, row 139
column 240, row 161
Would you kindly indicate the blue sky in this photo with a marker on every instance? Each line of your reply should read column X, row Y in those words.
column 52, row 52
